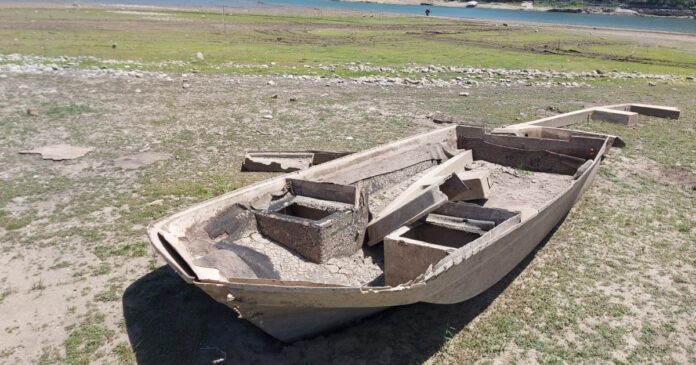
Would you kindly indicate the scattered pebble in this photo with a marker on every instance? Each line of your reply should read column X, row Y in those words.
column 33, row 112
column 463, row 93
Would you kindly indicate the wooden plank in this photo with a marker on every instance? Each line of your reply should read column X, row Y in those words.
column 540, row 161
column 478, row 185
column 560, row 120
column 454, row 164
column 405, row 260
column 572, row 145
column 417, row 206
column 656, row 111
column 277, row 161
column 323, row 190
column 615, row 116
column 325, row 156
column 287, row 161
column 473, row 211
column 391, row 161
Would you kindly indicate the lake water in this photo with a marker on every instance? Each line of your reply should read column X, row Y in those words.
column 589, row 20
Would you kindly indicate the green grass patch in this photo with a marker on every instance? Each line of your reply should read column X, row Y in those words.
column 124, row 354
column 85, row 339
column 68, row 110
column 293, row 41
column 110, row 294
column 133, row 249
column 10, row 223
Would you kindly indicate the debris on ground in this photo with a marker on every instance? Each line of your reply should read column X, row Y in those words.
column 60, row 152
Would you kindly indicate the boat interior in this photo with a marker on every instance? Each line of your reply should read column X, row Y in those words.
column 385, row 216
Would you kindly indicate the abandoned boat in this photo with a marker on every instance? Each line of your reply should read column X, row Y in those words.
column 438, row 217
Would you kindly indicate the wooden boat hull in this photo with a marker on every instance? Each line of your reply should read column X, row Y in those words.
column 294, row 310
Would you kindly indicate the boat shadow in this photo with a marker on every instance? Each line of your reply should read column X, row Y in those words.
column 171, row 322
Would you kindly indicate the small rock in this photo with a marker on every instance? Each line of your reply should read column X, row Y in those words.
column 137, row 91
column 114, row 45
column 463, row 93
column 691, row 78
column 270, row 83
column 185, row 86
column 267, row 116
column 274, row 96
column 505, row 24
column 652, row 83
column 200, row 56
column 332, row 268
column 33, row 112
column 293, row 99
column 349, row 138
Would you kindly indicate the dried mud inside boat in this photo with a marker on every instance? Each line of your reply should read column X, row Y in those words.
column 251, row 255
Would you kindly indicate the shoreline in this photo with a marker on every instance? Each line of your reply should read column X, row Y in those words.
column 328, row 11
column 511, row 6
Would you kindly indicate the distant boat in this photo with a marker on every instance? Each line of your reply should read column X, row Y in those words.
column 471, row 4
column 427, row 4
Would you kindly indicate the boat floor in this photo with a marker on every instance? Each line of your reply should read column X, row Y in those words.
column 512, row 189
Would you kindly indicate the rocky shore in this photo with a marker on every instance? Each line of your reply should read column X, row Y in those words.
column 631, row 11
column 408, row 76
column 677, row 13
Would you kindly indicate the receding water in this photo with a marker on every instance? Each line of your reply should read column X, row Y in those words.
column 590, row 20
